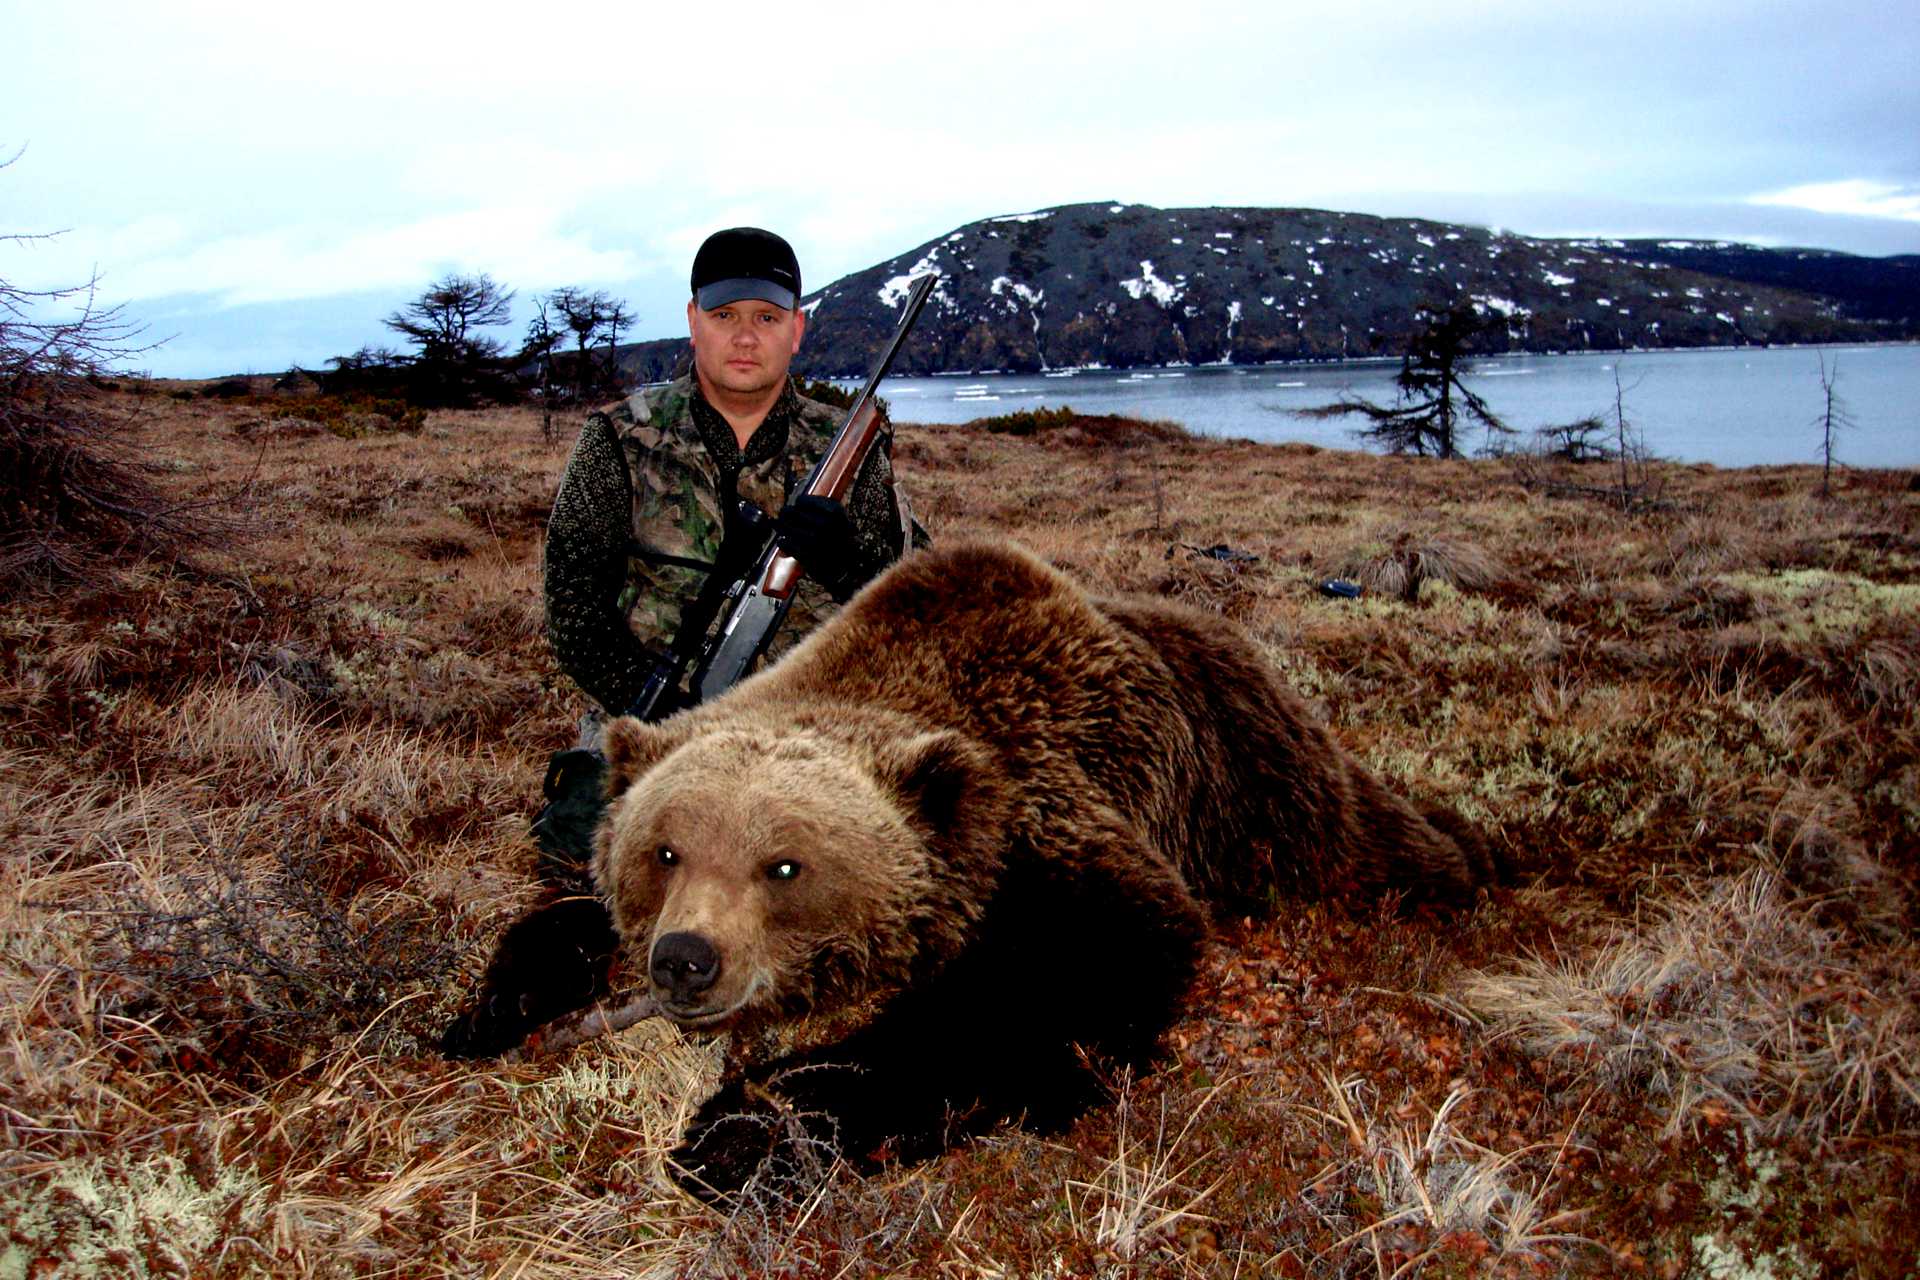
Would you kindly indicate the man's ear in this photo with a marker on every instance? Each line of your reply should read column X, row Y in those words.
column 799, row 327
column 632, row 747
column 938, row 777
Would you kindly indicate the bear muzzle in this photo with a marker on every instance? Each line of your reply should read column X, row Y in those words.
column 684, row 966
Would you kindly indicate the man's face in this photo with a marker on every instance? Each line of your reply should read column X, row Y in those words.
column 744, row 347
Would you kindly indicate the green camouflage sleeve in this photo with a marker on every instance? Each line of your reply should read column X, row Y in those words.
column 585, row 570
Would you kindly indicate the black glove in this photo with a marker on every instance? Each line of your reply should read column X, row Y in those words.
column 818, row 533
column 576, row 797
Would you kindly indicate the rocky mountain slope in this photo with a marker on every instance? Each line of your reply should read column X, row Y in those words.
column 1129, row 285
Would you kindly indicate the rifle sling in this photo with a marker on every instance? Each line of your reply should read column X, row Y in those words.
column 640, row 551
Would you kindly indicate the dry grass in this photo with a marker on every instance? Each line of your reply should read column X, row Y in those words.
column 1429, row 1191
column 266, row 808
column 1411, row 561
column 1738, row 1005
column 1141, row 1194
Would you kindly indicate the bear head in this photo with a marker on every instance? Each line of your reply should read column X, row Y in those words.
column 755, row 872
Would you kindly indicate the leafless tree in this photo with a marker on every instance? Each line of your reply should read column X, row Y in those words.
column 537, row 350
column 595, row 319
column 73, row 492
column 1834, row 418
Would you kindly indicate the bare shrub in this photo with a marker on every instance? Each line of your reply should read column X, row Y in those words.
column 264, row 958
column 73, row 494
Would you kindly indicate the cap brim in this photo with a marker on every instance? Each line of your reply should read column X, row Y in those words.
column 721, row 292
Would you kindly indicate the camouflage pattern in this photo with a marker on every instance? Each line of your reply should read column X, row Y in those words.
column 637, row 524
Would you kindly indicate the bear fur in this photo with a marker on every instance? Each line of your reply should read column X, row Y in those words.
column 963, row 844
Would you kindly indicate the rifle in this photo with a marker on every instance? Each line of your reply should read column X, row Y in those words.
column 753, row 604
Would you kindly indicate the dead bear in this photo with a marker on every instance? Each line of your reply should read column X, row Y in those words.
column 961, row 845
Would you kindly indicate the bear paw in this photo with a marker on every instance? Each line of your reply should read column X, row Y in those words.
column 550, row 962
column 747, row 1141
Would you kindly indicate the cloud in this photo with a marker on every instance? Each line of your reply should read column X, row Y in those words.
column 1854, row 197
column 517, row 244
column 264, row 155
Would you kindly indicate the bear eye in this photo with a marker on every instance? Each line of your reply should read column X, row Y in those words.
column 785, row 869
column 668, row 858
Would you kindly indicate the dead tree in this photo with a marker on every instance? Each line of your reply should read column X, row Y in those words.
column 1834, row 418
column 595, row 319
column 75, row 496
column 537, row 352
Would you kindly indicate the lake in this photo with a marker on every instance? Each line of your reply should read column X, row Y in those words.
column 1731, row 407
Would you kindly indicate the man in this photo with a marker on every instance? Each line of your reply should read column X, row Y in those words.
column 647, row 529
column 651, row 492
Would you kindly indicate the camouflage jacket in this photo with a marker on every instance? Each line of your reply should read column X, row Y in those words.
column 637, row 524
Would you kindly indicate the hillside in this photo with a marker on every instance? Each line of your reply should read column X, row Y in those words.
column 1130, row 285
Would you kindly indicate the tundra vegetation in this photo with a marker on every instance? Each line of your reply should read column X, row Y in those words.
column 265, row 805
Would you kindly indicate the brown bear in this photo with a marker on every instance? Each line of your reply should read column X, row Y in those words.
column 961, row 845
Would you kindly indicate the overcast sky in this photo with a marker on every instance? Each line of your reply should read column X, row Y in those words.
column 264, row 182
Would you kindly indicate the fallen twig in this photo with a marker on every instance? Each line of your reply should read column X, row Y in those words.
column 578, row 1028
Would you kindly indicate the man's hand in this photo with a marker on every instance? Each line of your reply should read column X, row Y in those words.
column 818, row 533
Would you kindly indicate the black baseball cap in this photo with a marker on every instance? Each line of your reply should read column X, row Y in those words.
column 745, row 262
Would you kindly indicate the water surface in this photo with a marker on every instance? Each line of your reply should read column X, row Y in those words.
column 1735, row 408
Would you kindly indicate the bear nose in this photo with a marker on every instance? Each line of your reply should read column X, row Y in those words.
column 685, row 964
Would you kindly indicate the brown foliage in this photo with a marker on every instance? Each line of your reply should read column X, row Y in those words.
column 336, row 727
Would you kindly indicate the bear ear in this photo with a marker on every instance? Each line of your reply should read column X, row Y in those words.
column 632, row 747
column 935, row 775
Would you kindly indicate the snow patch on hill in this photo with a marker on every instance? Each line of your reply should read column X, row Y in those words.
column 1149, row 284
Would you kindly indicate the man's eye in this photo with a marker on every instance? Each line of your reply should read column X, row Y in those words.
column 668, row 858
column 785, row 869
